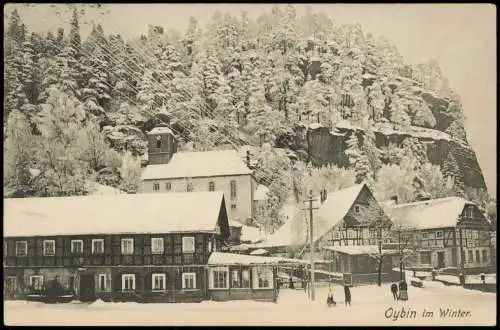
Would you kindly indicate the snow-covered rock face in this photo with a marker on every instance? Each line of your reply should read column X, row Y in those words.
column 326, row 145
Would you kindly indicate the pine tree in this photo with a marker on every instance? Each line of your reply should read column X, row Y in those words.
column 451, row 169
column 398, row 112
column 352, row 151
column 95, row 78
column 18, row 152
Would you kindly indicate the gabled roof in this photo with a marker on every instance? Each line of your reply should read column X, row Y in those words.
column 198, row 164
column 113, row 214
column 330, row 214
column 226, row 259
column 160, row 130
column 434, row 213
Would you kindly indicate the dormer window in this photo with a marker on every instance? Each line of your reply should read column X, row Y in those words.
column 158, row 142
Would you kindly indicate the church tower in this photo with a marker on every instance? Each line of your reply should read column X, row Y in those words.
column 161, row 145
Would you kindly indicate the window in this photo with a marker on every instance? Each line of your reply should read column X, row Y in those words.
column 356, row 209
column 424, row 235
column 21, row 249
column 209, row 246
column 128, row 282
column 471, row 256
column 485, row 255
column 189, row 187
column 469, row 212
column 127, row 245
column 157, row 246
column 102, row 282
column 189, row 281
column 156, row 186
column 233, row 189
column 263, row 278
column 478, row 256
column 158, row 142
column 425, row 257
column 97, row 246
column 188, row 244
column 49, row 248
column 233, row 207
column 76, row 246
column 168, row 186
column 36, row 282
column 158, row 282
column 240, row 279
column 219, row 278
column 211, row 186
column 439, row 234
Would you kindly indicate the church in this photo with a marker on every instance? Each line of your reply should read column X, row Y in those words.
column 219, row 170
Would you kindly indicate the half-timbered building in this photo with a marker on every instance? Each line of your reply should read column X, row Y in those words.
column 446, row 232
column 142, row 247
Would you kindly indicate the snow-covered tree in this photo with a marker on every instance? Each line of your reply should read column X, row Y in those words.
column 18, row 155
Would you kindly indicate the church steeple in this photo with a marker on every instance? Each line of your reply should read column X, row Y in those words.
column 161, row 146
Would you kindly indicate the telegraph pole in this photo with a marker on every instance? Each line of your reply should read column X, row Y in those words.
column 311, row 242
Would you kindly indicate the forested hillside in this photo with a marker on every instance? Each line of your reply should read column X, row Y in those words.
column 322, row 105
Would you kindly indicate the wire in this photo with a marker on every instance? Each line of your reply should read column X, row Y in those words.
column 265, row 178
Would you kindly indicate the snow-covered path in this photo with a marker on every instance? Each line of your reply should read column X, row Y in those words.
column 371, row 305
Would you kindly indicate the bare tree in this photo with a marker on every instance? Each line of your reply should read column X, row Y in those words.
column 377, row 221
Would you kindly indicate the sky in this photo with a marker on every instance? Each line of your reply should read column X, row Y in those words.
column 461, row 37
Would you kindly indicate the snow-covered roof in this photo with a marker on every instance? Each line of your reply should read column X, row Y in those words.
column 356, row 249
column 221, row 258
column 260, row 193
column 112, row 214
column 160, row 130
column 235, row 224
column 434, row 213
column 251, row 234
column 258, row 252
column 315, row 125
column 328, row 215
column 198, row 164
column 95, row 188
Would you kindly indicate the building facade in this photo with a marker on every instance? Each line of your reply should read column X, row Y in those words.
column 155, row 249
column 445, row 233
column 220, row 170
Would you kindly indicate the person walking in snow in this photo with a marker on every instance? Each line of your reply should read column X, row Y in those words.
column 347, row 294
column 394, row 290
column 329, row 300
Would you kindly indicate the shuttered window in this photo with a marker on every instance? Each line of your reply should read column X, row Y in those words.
column 233, row 189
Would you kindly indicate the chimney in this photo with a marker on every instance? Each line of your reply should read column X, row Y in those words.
column 248, row 158
column 395, row 199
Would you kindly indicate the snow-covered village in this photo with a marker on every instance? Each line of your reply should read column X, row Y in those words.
column 244, row 164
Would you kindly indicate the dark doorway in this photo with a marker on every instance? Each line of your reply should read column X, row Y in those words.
column 87, row 288
column 440, row 259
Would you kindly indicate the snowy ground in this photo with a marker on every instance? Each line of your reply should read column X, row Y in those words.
column 371, row 305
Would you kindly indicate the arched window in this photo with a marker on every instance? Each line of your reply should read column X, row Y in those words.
column 158, row 142
column 233, row 189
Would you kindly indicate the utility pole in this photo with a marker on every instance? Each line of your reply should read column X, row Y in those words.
column 311, row 242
